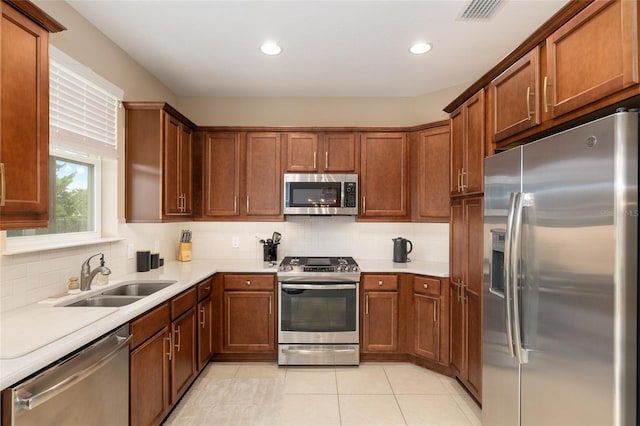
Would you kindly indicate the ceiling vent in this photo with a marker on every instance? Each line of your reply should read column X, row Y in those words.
column 480, row 10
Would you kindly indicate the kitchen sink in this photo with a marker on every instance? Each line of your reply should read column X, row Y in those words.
column 106, row 301
column 138, row 288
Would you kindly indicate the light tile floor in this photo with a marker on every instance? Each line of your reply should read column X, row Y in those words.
column 383, row 394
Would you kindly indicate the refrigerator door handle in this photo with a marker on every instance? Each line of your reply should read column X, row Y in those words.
column 508, row 274
column 521, row 353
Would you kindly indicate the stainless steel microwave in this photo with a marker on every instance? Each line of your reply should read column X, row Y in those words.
column 320, row 194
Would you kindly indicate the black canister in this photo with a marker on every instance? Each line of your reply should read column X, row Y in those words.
column 143, row 261
column 155, row 260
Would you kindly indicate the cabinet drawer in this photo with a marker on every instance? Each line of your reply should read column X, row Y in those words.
column 149, row 324
column 204, row 288
column 429, row 286
column 249, row 282
column 182, row 303
column 381, row 282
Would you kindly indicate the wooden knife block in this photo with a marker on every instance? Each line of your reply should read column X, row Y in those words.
column 184, row 252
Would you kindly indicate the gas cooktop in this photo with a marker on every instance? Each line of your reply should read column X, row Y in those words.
column 309, row 267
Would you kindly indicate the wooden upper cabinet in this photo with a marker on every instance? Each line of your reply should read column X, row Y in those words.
column 592, row 56
column 340, row 152
column 430, row 175
column 515, row 97
column 177, row 167
column 301, row 152
column 384, row 176
column 468, row 146
column 221, row 174
column 24, row 117
column 263, row 174
column 321, row 153
column 158, row 164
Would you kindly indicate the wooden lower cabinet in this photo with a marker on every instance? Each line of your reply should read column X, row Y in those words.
column 204, row 325
column 249, row 314
column 426, row 334
column 162, row 362
column 380, row 313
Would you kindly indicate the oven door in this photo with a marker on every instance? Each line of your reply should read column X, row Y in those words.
column 320, row 313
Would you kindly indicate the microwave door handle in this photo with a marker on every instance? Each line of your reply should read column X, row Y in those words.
column 508, row 274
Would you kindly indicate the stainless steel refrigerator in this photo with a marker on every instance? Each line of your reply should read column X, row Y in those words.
column 560, row 278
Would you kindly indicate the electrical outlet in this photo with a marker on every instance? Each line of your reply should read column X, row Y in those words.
column 129, row 251
column 235, row 242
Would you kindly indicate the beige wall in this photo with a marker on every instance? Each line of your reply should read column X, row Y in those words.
column 211, row 111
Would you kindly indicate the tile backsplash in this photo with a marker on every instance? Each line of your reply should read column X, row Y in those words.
column 28, row 278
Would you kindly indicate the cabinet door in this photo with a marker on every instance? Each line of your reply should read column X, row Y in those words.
column 221, row 158
column 515, row 97
column 457, row 273
column 183, row 362
column 24, row 123
column 473, row 237
column 473, row 317
column 340, row 153
column 456, row 328
column 473, row 172
column 302, row 152
column 384, row 175
column 149, row 379
column 185, row 171
column 457, row 141
column 205, row 347
column 433, row 173
column 380, row 331
column 264, row 176
column 592, row 56
column 172, row 199
column 249, row 321
column 426, row 327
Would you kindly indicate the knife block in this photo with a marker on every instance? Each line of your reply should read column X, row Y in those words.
column 184, row 252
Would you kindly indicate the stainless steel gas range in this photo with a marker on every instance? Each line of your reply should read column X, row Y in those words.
column 318, row 311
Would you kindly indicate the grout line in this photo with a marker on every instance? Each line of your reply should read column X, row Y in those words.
column 395, row 397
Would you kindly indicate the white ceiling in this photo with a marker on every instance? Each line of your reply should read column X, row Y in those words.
column 330, row 48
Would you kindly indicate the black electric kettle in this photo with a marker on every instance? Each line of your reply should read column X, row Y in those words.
column 400, row 250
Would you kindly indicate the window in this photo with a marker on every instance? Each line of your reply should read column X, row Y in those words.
column 83, row 111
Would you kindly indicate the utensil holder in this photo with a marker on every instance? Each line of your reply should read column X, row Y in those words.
column 184, row 252
column 143, row 261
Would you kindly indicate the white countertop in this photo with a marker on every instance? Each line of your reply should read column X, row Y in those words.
column 34, row 336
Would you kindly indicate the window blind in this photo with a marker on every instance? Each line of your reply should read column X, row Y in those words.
column 83, row 108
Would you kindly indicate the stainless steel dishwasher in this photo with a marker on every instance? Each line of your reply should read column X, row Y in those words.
column 90, row 387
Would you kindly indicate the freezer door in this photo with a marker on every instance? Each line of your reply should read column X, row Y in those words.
column 500, row 373
column 574, row 327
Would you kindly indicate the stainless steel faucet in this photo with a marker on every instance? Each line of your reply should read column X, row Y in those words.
column 86, row 274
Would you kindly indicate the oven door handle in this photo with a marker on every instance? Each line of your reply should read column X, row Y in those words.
column 318, row 286
column 318, row 352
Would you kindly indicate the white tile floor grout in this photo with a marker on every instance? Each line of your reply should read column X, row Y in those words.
column 385, row 394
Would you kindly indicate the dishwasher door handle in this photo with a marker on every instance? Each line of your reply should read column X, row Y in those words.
column 28, row 401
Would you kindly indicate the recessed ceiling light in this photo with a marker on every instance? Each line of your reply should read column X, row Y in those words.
column 270, row 48
column 420, row 48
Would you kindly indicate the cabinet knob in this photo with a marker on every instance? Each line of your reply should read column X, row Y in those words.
column 380, row 283
column 247, row 282
column 425, row 285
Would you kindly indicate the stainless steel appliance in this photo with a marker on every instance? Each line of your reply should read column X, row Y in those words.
column 91, row 387
column 560, row 278
column 320, row 194
column 318, row 307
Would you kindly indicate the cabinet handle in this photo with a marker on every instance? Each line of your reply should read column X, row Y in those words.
column 364, row 205
column 314, row 159
column 3, row 186
column 459, row 284
column 247, row 282
column 177, row 345
column 208, row 288
column 203, row 317
column 366, row 304
column 247, row 204
column 459, row 180
column 380, row 283
column 270, row 310
column 435, row 315
column 463, row 186
column 235, row 204
column 545, row 85
column 326, row 159
column 170, row 346
column 529, row 96
column 425, row 285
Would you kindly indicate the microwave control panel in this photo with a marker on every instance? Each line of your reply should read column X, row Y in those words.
column 350, row 195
